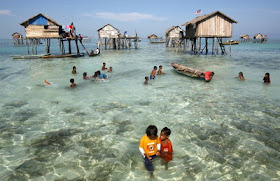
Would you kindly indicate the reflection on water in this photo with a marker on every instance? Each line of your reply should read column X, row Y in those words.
column 223, row 130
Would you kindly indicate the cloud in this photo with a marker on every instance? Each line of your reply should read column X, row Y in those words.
column 125, row 16
column 6, row 12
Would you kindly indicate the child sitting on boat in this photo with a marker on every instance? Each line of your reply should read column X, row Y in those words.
column 166, row 146
column 153, row 73
column 159, row 72
column 150, row 148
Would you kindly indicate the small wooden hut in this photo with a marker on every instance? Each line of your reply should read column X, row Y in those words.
column 17, row 38
column 110, row 37
column 245, row 38
column 155, row 39
column 174, row 37
column 214, row 26
column 259, row 38
column 43, row 27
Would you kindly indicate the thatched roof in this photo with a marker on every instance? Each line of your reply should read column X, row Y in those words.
column 25, row 23
column 152, row 36
column 245, row 36
column 172, row 28
column 258, row 36
column 204, row 17
column 108, row 25
column 16, row 33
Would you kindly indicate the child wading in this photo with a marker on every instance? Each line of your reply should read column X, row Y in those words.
column 150, row 147
column 166, row 146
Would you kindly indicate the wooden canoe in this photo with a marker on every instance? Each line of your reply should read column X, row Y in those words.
column 27, row 56
column 93, row 55
column 188, row 71
column 64, row 56
column 231, row 43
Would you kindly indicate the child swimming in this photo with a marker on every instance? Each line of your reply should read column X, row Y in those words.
column 72, row 83
column 110, row 69
column 150, row 148
column 85, row 75
column 74, row 70
column 266, row 78
column 166, row 146
column 240, row 76
column 146, row 80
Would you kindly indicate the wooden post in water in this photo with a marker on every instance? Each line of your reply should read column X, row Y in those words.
column 77, row 46
column 69, row 43
column 206, row 44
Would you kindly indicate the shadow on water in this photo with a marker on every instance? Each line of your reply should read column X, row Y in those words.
column 47, row 149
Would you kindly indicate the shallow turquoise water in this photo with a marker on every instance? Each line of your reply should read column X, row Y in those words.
column 223, row 130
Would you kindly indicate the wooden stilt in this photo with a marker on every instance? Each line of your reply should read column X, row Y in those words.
column 69, row 44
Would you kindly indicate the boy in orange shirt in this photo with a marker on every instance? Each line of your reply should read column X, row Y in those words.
column 150, row 147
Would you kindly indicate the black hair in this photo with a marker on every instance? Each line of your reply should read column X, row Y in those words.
column 241, row 73
column 213, row 73
column 146, row 77
column 155, row 67
column 151, row 130
column 74, row 67
column 84, row 74
column 267, row 74
column 166, row 131
column 72, row 80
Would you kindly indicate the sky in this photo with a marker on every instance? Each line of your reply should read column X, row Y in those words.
column 142, row 16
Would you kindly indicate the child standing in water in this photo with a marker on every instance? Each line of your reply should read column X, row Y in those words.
column 104, row 66
column 74, row 70
column 150, row 147
column 159, row 72
column 146, row 80
column 72, row 83
column 266, row 78
column 166, row 146
column 153, row 73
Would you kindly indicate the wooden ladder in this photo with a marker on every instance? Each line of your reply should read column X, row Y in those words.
column 223, row 49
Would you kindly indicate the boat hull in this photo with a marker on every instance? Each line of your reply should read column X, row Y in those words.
column 193, row 73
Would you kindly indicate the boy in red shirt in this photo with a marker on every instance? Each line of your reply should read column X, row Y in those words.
column 166, row 146
column 150, row 147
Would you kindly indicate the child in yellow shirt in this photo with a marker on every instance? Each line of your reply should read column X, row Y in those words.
column 150, row 147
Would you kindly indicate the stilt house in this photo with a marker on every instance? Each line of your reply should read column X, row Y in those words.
column 155, row 39
column 213, row 26
column 43, row 27
column 18, row 38
column 174, row 37
column 110, row 37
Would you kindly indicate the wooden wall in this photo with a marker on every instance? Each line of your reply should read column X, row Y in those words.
column 42, row 31
column 175, row 33
column 108, row 32
column 215, row 26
